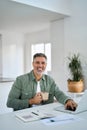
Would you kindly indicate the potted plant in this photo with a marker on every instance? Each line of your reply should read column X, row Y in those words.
column 75, row 83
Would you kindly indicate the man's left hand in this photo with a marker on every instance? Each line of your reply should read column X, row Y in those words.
column 70, row 105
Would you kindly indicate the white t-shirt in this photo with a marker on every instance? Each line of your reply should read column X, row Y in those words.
column 38, row 90
column 38, row 87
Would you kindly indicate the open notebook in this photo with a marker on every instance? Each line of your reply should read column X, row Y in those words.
column 82, row 106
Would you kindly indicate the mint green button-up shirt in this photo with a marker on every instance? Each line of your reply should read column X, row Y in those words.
column 24, row 88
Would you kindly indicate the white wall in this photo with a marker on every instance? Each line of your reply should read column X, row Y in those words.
column 76, row 28
column 0, row 55
column 57, row 40
column 12, row 54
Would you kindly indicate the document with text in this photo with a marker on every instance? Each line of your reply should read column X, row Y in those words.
column 34, row 115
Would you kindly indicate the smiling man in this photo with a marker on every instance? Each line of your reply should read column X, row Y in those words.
column 36, row 88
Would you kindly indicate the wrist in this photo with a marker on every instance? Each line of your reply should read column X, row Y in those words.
column 31, row 102
column 68, row 100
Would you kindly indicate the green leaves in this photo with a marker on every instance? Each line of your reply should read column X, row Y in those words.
column 75, row 67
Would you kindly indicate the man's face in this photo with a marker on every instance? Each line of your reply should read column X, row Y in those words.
column 39, row 65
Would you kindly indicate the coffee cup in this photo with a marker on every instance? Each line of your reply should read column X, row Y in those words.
column 45, row 96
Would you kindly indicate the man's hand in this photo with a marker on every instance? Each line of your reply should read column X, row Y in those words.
column 70, row 105
column 37, row 99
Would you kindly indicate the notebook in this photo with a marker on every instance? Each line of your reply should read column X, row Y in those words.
column 82, row 106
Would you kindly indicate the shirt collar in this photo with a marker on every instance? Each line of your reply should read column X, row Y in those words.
column 33, row 77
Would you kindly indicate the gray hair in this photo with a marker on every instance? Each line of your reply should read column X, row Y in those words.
column 39, row 55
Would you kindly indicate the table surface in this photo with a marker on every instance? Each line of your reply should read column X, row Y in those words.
column 10, row 122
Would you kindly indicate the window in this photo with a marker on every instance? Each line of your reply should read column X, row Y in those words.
column 42, row 48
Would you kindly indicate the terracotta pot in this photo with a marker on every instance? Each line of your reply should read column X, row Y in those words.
column 75, row 86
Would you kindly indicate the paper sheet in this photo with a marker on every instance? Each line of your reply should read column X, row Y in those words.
column 34, row 115
column 62, row 119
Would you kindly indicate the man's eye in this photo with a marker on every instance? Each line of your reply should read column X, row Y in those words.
column 37, row 62
column 43, row 63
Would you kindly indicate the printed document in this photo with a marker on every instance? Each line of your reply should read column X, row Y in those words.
column 34, row 115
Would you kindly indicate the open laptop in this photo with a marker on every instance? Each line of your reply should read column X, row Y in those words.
column 82, row 106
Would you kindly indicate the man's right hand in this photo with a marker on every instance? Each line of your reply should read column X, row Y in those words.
column 37, row 99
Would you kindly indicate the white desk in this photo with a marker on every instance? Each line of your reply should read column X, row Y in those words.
column 10, row 122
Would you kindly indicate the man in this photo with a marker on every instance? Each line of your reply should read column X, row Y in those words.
column 28, row 89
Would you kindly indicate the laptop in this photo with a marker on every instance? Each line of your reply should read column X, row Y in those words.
column 82, row 106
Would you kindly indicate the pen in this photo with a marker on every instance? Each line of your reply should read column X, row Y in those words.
column 53, row 120
column 35, row 113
